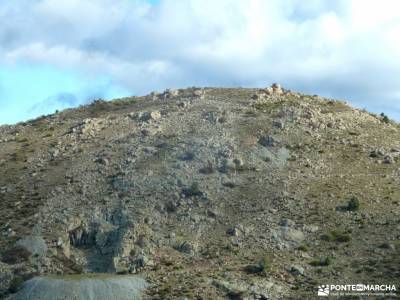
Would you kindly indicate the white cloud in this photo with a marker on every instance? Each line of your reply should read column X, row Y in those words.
column 345, row 48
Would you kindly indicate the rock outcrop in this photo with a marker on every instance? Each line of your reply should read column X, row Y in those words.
column 103, row 287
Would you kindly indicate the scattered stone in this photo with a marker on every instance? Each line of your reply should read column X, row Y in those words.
column 212, row 213
column 155, row 115
column 215, row 117
column 377, row 153
column 236, row 289
column 59, row 242
column 149, row 131
column 387, row 245
column 89, row 127
column 233, row 231
column 8, row 232
column 229, row 183
column 150, row 150
column 237, row 230
column 269, row 91
column 103, row 161
column 140, row 262
column 154, row 95
column 311, row 228
column 238, row 162
column 148, row 116
column 297, row 270
column 182, row 104
column 198, row 93
column 170, row 93
column 277, row 89
column 54, row 152
column 388, row 160
column 291, row 235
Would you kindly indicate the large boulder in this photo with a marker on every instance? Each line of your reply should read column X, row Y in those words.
column 82, row 287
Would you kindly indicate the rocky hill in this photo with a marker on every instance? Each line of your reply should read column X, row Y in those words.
column 205, row 193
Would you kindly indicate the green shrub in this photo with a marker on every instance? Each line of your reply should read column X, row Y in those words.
column 265, row 264
column 303, row 248
column 183, row 246
column 342, row 238
column 353, row 204
column 337, row 235
column 322, row 262
column 385, row 118
column 193, row 190
column 15, row 284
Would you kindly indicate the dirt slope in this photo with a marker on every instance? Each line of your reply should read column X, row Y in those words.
column 206, row 193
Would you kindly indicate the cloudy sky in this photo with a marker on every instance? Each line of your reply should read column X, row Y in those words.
column 62, row 53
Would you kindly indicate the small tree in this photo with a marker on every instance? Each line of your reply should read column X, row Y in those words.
column 385, row 118
column 265, row 264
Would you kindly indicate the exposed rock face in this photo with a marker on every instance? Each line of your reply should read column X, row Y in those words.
column 78, row 287
column 188, row 188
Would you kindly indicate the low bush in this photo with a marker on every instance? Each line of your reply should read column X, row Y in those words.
column 322, row 262
column 336, row 235
column 353, row 204
column 15, row 284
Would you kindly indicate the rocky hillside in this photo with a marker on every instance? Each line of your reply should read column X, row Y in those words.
column 204, row 193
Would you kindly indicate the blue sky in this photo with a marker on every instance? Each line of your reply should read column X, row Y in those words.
column 28, row 91
column 56, row 54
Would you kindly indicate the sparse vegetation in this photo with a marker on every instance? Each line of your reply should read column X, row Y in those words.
column 353, row 204
column 303, row 248
column 161, row 205
column 337, row 235
column 183, row 246
column 263, row 266
column 208, row 169
column 193, row 190
column 15, row 284
column 322, row 262
column 265, row 263
column 15, row 255
column 385, row 118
